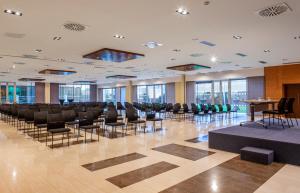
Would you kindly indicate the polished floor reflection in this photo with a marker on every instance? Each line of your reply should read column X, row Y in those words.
column 28, row 166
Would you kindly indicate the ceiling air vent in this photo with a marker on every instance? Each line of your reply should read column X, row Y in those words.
column 14, row 35
column 274, row 10
column 74, row 26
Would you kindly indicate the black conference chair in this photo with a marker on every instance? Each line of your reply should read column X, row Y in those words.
column 111, row 120
column 40, row 121
column 133, row 119
column 86, row 123
column 280, row 112
column 56, row 125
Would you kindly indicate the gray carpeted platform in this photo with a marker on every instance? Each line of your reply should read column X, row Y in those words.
column 285, row 142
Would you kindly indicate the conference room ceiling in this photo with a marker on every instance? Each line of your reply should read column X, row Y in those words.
column 224, row 35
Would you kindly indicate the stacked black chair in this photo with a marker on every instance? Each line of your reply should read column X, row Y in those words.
column 177, row 112
column 69, row 117
column 56, row 125
column 86, row 123
column 111, row 120
column 40, row 122
column 133, row 118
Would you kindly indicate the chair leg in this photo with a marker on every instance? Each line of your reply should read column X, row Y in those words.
column 52, row 141
column 68, row 138
column 85, row 136
column 62, row 140
column 92, row 135
column 98, row 132
column 46, row 138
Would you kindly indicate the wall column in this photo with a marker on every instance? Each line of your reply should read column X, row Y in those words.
column 180, row 90
column 47, row 93
column 15, row 92
column 129, row 92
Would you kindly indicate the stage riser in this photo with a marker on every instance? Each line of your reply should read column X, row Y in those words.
column 284, row 152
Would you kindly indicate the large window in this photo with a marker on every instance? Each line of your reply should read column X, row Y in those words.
column 239, row 93
column 151, row 93
column 220, row 92
column 25, row 94
column 203, row 92
column 109, row 95
column 123, row 95
column 225, row 94
column 77, row 93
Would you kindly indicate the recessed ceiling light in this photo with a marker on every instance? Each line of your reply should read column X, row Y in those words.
column 213, row 59
column 177, row 50
column 267, row 51
column 152, row 44
column 14, row 66
column 9, row 11
column 196, row 55
column 237, row 37
column 206, row 2
column 119, row 36
column 182, row 11
column 57, row 38
column 38, row 50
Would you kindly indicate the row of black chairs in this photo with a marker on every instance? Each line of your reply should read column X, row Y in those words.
column 57, row 119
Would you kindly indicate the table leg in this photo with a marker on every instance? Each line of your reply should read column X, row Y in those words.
column 252, row 110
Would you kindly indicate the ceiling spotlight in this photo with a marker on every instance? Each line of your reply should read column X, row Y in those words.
column 206, row 2
column 177, row 50
column 182, row 11
column 237, row 37
column 14, row 66
column 57, row 38
column 9, row 11
column 213, row 59
column 267, row 51
column 119, row 36
column 152, row 44
column 38, row 50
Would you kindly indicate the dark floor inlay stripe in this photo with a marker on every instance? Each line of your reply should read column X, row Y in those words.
column 183, row 151
column 234, row 176
column 113, row 161
column 141, row 174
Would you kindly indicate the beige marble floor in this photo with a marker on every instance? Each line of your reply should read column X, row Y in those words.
column 28, row 166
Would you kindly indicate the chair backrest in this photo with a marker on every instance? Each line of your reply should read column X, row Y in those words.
column 228, row 107
column 68, row 115
column 120, row 106
column 86, row 118
column 282, row 105
column 55, row 121
column 220, row 107
column 131, row 114
column 29, row 115
column 40, row 117
column 185, row 108
column 195, row 109
column 111, row 116
column 289, row 107
column 176, row 108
